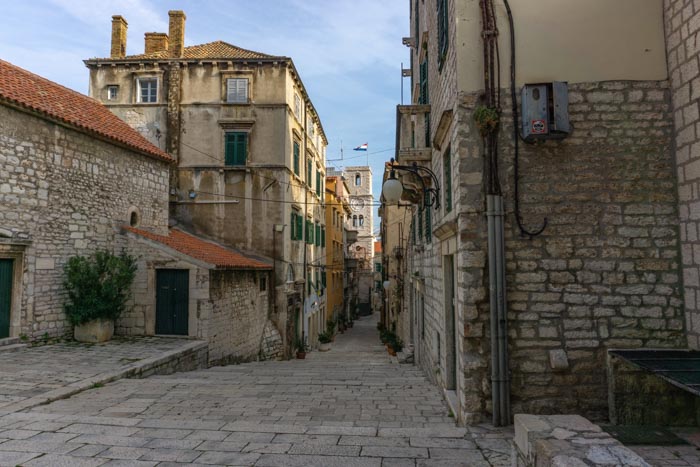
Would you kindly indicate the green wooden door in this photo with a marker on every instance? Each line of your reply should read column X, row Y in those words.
column 5, row 296
column 172, row 301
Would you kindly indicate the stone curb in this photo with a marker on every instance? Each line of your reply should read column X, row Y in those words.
column 132, row 370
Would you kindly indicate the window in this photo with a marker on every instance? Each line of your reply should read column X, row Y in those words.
column 362, row 221
column 378, row 267
column 148, row 90
column 318, row 235
column 236, row 148
column 354, row 221
column 416, row 23
column 309, row 232
column 237, row 90
column 309, row 172
column 442, row 22
column 358, row 180
column 297, row 106
column 318, row 183
column 447, row 182
column 290, row 273
column 428, row 224
column 296, row 158
column 263, row 283
column 424, row 97
column 296, row 230
column 112, row 93
column 323, row 237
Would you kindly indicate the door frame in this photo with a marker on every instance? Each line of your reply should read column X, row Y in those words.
column 15, row 253
column 192, row 325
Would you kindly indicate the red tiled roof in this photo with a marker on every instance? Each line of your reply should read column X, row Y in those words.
column 203, row 250
column 27, row 90
column 210, row 50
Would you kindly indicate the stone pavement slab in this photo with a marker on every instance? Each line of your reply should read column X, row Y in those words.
column 353, row 406
column 36, row 375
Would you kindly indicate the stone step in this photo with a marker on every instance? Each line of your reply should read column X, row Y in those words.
column 9, row 341
column 12, row 347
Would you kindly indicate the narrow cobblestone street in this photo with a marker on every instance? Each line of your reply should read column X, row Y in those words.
column 352, row 406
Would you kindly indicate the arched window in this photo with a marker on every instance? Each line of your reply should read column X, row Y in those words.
column 354, row 221
column 358, row 180
column 290, row 273
column 362, row 221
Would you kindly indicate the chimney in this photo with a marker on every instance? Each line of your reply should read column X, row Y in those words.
column 177, row 32
column 118, row 37
column 156, row 42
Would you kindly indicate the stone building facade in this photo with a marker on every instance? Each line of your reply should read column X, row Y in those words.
column 337, row 210
column 362, row 205
column 250, row 152
column 605, row 272
column 68, row 182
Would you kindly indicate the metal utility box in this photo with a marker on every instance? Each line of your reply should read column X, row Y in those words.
column 545, row 111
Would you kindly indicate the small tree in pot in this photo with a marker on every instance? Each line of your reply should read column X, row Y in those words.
column 98, row 288
column 324, row 340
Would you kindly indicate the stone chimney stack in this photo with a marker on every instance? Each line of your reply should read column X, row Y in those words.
column 119, row 26
column 156, row 42
column 177, row 33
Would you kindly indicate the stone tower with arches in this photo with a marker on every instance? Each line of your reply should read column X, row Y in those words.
column 359, row 180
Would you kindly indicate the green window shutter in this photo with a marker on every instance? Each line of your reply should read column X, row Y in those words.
column 447, row 182
column 318, row 235
column 442, row 25
column 428, row 224
column 292, row 226
column 296, row 158
column 323, row 279
column 309, row 172
column 236, row 148
column 318, row 183
column 424, row 98
column 323, row 237
column 300, row 227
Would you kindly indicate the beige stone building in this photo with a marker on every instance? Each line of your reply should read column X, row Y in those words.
column 250, row 152
column 337, row 211
column 606, row 270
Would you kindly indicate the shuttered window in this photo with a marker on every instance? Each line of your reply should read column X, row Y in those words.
column 318, row 183
column 447, row 179
column 296, row 158
column 428, row 224
column 237, row 90
column 309, row 172
column 442, row 23
column 297, row 226
column 236, row 147
column 318, row 235
column 323, row 237
column 309, row 232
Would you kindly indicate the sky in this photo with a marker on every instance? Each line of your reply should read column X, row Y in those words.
column 348, row 52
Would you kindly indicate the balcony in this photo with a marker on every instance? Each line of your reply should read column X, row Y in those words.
column 413, row 134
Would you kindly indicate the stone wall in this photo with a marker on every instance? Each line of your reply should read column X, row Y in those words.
column 238, row 316
column 63, row 193
column 682, row 20
column 605, row 272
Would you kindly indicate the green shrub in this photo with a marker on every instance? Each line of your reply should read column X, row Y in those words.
column 299, row 345
column 324, row 337
column 330, row 327
column 98, row 286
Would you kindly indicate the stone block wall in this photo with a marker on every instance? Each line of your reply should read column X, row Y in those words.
column 606, row 271
column 682, row 21
column 238, row 316
column 63, row 193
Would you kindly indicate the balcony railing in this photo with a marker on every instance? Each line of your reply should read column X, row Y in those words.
column 413, row 134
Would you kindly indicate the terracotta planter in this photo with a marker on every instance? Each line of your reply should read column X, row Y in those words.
column 98, row 330
column 324, row 347
column 301, row 355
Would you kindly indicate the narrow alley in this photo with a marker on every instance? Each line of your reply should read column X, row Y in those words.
column 351, row 406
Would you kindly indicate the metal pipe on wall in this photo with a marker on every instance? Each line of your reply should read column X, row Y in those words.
column 502, row 323
column 493, row 302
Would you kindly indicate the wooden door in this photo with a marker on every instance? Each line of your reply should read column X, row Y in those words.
column 6, row 266
column 172, row 301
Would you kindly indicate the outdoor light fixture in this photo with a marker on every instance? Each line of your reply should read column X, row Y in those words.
column 393, row 188
column 387, row 284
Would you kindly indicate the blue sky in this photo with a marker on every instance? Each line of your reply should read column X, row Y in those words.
column 348, row 52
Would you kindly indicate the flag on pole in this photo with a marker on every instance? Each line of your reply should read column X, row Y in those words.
column 361, row 147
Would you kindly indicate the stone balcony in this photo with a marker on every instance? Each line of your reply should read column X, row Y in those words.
column 412, row 141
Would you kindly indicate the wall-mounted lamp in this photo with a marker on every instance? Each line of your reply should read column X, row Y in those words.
column 192, row 194
column 393, row 188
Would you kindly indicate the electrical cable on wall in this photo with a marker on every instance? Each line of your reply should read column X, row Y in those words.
column 516, row 135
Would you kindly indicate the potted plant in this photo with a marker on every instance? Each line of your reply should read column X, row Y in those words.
column 330, row 328
column 98, row 288
column 300, row 348
column 324, row 342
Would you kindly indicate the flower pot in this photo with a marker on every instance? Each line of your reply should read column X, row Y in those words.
column 324, row 347
column 392, row 352
column 98, row 330
column 301, row 355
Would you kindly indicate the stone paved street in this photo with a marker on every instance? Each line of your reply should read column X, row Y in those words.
column 32, row 375
column 352, row 406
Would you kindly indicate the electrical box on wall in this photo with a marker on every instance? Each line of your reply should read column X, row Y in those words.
column 545, row 111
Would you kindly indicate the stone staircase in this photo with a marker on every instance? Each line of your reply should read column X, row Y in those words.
column 11, row 344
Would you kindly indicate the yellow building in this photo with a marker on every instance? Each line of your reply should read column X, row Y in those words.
column 337, row 210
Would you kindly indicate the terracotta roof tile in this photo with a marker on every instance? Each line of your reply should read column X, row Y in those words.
column 25, row 89
column 203, row 250
column 210, row 50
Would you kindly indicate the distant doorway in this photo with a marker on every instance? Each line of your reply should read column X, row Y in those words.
column 6, row 266
column 172, row 301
